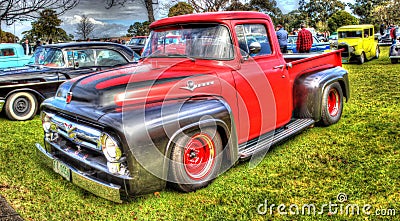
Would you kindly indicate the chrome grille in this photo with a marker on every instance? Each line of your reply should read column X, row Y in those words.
column 80, row 135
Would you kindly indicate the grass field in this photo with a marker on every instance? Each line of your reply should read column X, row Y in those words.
column 359, row 157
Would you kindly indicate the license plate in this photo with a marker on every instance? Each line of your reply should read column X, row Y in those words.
column 62, row 169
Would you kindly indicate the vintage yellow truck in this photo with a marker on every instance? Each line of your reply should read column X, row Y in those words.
column 358, row 42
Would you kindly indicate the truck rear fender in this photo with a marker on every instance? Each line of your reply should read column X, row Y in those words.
column 308, row 90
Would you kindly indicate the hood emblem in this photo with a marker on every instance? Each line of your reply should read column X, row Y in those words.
column 191, row 86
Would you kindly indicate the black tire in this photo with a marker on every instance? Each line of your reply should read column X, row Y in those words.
column 21, row 106
column 394, row 60
column 361, row 58
column 332, row 104
column 185, row 172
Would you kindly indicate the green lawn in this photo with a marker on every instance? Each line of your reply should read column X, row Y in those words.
column 359, row 156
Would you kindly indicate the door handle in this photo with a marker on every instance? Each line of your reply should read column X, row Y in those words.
column 278, row 67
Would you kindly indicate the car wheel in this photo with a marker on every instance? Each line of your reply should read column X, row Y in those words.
column 21, row 106
column 377, row 52
column 394, row 60
column 195, row 159
column 361, row 58
column 332, row 104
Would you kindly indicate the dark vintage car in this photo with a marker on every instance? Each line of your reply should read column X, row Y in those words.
column 137, row 43
column 317, row 46
column 23, row 89
column 386, row 39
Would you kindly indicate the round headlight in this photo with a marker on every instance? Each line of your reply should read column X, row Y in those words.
column 110, row 148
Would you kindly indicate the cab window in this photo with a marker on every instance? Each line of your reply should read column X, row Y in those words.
column 7, row 52
column 249, row 33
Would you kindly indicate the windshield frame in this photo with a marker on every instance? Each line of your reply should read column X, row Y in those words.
column 189, row 26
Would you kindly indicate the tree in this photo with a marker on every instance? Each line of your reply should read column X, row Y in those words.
column 387, row 13
column 85, row 27
column 268, row 7
column 237, row 5
column 139, row 29
column 208, row 5
column 364, row 9
column 181, row 8
column 341, row 18
column 316, row 11
column 7, row 37
column 148, row 4
column 46, row 28
column 22, row 10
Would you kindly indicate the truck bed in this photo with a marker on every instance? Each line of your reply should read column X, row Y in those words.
column 300, row 63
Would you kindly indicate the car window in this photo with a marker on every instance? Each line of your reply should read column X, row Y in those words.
column 109, row 58
column 94, row 57
column 249, row 33
column 7, row 52
column 350, row 34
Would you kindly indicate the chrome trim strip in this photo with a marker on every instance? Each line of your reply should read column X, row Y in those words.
column 106, row 190
column 2, row 102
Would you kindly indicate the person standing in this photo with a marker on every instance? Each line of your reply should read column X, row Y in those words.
column 282, row 35
column 26, row 47
column 393, row 34
column 304, row 40
column 38, row 44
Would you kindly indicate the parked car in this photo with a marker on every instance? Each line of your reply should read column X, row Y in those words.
column 386, row 39
column 137, row 43
column 358, row 43
column 394, row 52
column 12, row 55
column 317, row 46
column 184, row 118
column 333, row 40
column 23, row 89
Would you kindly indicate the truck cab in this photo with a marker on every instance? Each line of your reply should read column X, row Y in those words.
column 12, row 55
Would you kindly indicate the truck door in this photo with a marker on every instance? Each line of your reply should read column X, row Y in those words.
column 262, row 82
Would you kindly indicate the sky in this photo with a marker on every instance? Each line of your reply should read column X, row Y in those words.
column 113, row 22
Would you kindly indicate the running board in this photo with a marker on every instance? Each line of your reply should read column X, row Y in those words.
column 265, row 141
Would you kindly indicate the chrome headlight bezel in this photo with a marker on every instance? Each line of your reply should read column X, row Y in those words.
column 110, row 148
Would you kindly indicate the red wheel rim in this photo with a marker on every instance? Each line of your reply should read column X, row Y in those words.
column 199, row 156
column 333, row 102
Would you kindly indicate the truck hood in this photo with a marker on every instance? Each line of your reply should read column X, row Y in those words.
column 146, row 83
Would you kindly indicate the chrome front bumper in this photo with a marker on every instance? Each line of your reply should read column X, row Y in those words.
column 2, row 104
column 100, row 188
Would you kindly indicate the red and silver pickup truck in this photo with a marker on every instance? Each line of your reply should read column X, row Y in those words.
column 189, row 111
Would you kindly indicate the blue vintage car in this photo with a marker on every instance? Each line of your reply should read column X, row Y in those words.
column 317, row 46
column 12, row 55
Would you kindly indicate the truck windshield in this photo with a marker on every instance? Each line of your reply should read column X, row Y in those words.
column 194, row 41
column 350, row 34
column 51, row 57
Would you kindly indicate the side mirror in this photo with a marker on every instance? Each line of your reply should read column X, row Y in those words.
column 255, row 48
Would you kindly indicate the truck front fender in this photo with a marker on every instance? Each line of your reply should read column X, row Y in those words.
column 151, row 132
column 308, row 90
